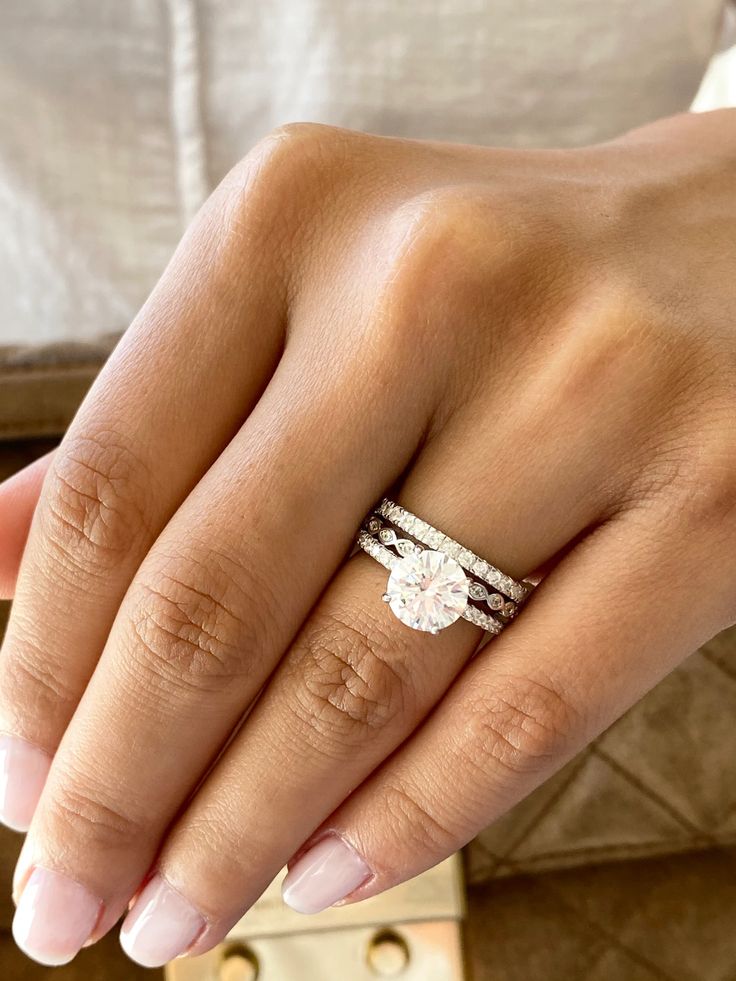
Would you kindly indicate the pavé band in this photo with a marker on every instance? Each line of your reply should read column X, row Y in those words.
column 434, row 579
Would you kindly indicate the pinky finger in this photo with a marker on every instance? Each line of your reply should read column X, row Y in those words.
column 590, row 642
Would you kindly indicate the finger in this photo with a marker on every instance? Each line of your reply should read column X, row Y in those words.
column 18, row 497
column 174, row 392
column 353, row 686
column 584, row 650
column 343, row 698
column 210, row 612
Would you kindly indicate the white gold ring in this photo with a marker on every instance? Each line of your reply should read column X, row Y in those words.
column 433, row 579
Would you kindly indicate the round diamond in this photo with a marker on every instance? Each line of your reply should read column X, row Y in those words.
column 427, row 590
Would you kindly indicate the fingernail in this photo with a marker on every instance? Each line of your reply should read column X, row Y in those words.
column 22, row 868
column 23, row 771
column 55, row 916
column 328, row 872
column 160, row 926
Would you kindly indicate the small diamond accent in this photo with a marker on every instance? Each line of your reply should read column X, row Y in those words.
column 477, row 591
column 481, row 619
column 387, row 559
column 387, row 536
column 495, row 601
column 373, row 525
column 463, row 556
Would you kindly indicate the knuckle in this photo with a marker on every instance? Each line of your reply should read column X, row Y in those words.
column 719, row 505
column 445, row 247
column 451, row 229
column 38, row 699
column 298, row 144
column 268, row 199
column 419, row 826
column 521, row 725
column 348, row 683
column 74, row 811
column 222, row 862
column 692, row 481
column 289, row 157
column 436, row 230
column 94, row 506
column 187, row 627
column 30, row 678
column 707, row 492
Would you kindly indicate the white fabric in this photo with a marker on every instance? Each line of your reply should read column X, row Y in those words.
column 117, row 118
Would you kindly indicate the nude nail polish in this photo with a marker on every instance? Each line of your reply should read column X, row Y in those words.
column 23, row 771
column 54, row 918
column 23, row 868
column 161, row 925
column 327, row 873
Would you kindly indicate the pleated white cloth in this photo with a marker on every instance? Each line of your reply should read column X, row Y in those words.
column 116, row 119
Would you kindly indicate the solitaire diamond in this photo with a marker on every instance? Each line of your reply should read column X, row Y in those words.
column 427, row 590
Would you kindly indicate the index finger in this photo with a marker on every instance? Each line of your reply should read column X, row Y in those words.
column 176, row 389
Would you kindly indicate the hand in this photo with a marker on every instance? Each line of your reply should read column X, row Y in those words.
column 535, row 351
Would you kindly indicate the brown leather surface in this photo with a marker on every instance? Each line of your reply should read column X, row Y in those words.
column 664, row 919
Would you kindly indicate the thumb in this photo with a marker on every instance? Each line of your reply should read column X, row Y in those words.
column 18, row 498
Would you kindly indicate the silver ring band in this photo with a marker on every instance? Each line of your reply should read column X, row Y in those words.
column 434, row 579
column 433, row 538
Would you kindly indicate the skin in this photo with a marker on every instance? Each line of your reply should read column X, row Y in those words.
column 533, row 350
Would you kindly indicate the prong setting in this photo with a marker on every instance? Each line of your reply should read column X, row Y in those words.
column 434, row 580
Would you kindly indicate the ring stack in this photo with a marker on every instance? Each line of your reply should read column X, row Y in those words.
column 433, row 579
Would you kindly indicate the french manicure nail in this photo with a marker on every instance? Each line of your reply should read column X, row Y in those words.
column 55, row 916
column 160, row 926
column 328, row 872
column 23, row 771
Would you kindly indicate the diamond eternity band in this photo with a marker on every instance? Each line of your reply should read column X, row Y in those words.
column 434, row 579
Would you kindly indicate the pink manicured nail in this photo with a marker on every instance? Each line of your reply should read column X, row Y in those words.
column 23, row 771
column 160, row 926
column 55, row 916
column 328, row 872
column 23, row 867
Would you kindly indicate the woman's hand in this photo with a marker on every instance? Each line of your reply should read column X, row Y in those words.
column 536, row 352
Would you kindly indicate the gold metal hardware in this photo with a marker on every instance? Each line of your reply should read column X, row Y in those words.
column 411, row 933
